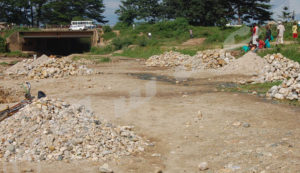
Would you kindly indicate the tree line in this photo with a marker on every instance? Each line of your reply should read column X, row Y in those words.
column 36, row 12
column 197, row 12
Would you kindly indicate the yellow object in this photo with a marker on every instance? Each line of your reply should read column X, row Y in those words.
column 295, row 29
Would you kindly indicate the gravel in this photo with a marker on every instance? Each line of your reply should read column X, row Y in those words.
column 50, row 129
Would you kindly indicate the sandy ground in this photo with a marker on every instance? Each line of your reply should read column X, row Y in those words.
column 234, row 133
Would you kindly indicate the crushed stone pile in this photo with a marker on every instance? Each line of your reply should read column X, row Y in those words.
column 50, row 129
column 289, row 89
column 45, row 67
column 286, row 70
column 279, row 68
column 208, row 59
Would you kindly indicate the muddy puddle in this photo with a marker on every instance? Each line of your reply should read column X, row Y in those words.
column 209, row 86
column 173, row 80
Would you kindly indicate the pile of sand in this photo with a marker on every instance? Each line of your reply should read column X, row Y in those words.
column 249, row 64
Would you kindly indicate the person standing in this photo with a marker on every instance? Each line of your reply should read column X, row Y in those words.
column 255, row 34
column 268, row 33
column 295, row 31
column 191, row 33
column 280, row 31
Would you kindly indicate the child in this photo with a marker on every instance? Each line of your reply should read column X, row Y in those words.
column 295, row 31
column 261, row 43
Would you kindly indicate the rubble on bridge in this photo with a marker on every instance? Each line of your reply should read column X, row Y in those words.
column 45, row 67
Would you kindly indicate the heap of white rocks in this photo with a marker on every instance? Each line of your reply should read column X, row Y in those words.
column 289, row 89
column 280, row 68
column 50, row 129
column 45, row 67
column 286, row 70
column 208, row 59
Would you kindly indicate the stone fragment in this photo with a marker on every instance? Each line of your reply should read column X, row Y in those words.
column 203, row 166
column 105, row 169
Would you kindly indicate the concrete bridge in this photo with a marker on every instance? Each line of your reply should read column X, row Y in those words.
column 54, row 42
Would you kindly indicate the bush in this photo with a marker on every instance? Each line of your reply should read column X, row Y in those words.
column 107, row 28
column 142, row 41
column 2, row 45
column 102, row 50
column 121, row 26
column 140, row 52
column 120, row 43
column 109, row 35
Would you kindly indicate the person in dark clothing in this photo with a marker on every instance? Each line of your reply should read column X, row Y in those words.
column 268, row 33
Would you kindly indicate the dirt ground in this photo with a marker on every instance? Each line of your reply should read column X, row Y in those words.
column 188, row 122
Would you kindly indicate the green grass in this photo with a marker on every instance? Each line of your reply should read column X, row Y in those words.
column 15, row 54
column 8, row 33
column 260, row 88
column 101, row 50
column 8, row 64
column 4, row 63
column 291, row 51
column 190, row 52
column 140, row 52
column 103, row 60
column 173, row 33
column 109, row 35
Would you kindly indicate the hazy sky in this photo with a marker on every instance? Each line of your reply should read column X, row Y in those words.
column 112, row 5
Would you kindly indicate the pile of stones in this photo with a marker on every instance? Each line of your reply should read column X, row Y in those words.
column 280, row 68
column 208, row 59
column 289, row 89
column 50, row 129
column 45, row 67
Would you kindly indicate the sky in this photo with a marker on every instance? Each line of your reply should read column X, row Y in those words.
column 113, row 5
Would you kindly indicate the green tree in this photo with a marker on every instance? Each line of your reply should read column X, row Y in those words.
column 247, row 10
column 147, row 10
column 14, row 11
column 63, row 11
column 127, row 12
column 286, row 15
column 199, row 12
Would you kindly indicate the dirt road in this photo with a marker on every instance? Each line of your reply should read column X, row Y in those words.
column 188, row 122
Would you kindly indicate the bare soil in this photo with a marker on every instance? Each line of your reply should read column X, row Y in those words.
column 193, row 42
column 234, row 133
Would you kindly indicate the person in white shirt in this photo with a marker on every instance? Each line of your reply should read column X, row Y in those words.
column 255, row 33
column 280, row 30
column 149, row 35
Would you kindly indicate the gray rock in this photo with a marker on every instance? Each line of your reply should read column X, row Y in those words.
column 203, row 166
column 105, row 169
column 246, row 125
column 11, row 148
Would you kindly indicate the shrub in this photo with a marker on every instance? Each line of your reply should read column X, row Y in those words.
column 117, row 42
column 120, row 43
column 121, row 26
column 140, row 52
column 109, row 35
column 107, row 28
column 142, row 41
column 2, row 45
column 102, row 50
